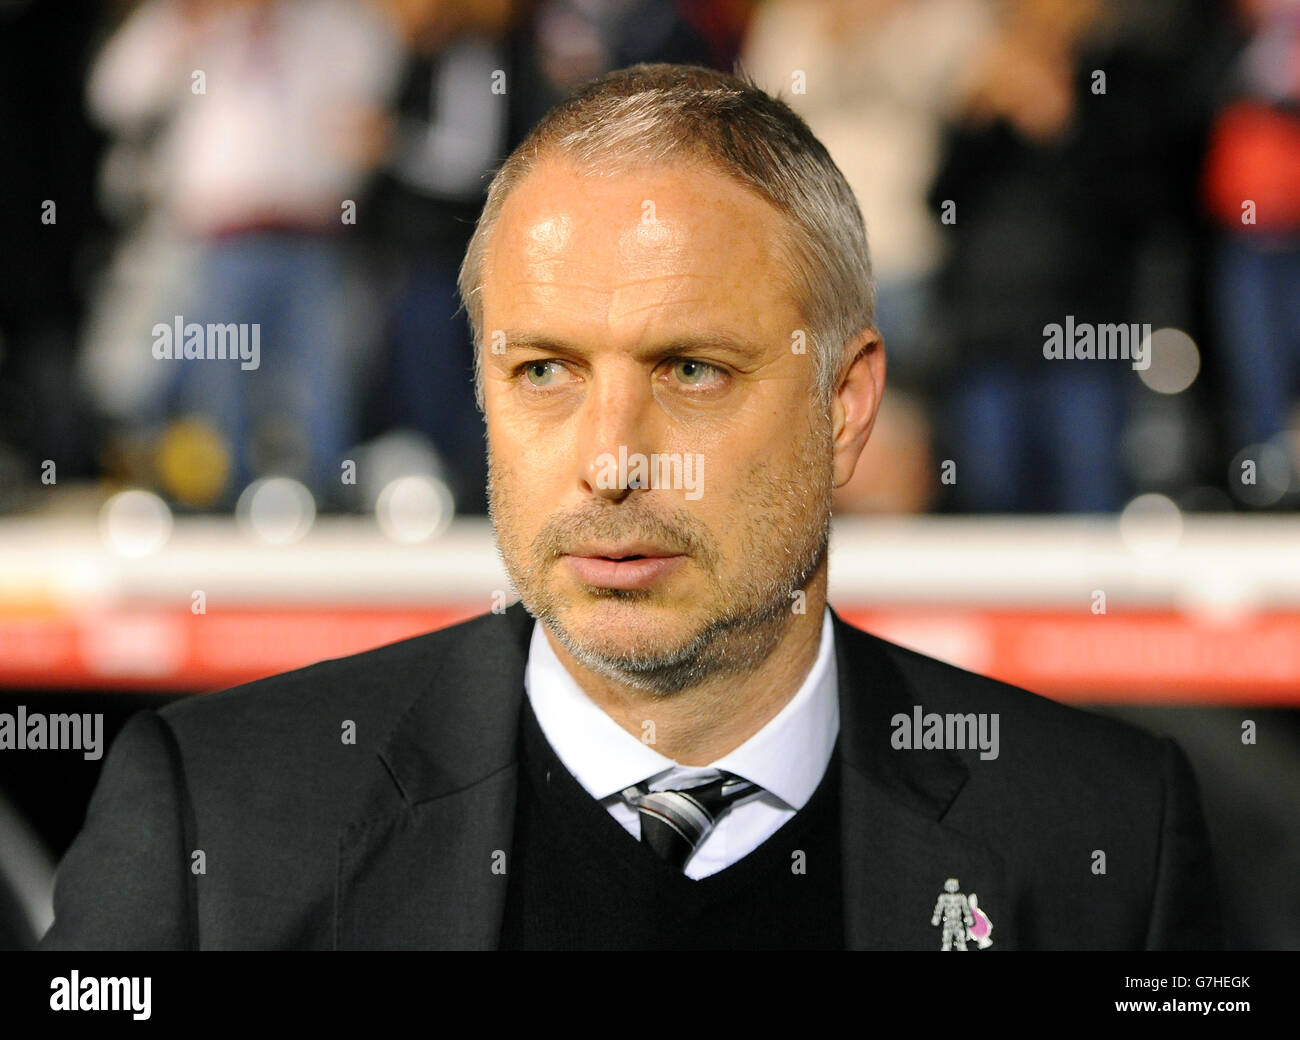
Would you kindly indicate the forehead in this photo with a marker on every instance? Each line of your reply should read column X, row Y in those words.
column 609, row 248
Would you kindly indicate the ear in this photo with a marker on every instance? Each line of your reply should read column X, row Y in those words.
column 856, row 401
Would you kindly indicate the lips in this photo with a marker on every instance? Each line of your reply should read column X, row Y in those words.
column 629, row 566
column 621, row 550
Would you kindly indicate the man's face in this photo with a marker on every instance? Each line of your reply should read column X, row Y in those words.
column 649, row 315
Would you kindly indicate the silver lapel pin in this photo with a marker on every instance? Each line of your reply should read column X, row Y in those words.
column 962, row 919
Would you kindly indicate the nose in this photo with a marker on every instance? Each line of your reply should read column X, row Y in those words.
column 614, row 425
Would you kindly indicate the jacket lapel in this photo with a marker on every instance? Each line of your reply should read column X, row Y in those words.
column 897, row 850
column 425, row 866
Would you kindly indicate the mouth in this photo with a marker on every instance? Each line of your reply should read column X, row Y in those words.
column 632, row 566
column 622, row 550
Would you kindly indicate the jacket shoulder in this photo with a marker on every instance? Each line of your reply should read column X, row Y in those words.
column 312, row 737
column 945, row 688
column 372, row 686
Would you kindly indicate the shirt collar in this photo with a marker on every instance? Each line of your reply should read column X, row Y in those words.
column 787, row 757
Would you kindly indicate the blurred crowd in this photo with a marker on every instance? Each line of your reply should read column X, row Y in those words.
column 312, row 170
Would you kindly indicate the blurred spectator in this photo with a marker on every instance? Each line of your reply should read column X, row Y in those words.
column 1252, row 194
column 1063, row 165
column 876, row 80
column 571, row 41
column 452, row 126
column 266, row 118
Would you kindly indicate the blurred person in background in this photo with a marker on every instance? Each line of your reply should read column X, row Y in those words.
column 876, row 80
column 1067, row 157
column 267, row 118
column 570, row 41
column 1252, row 194
column 451, row 125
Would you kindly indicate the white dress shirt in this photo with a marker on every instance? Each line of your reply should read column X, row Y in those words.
column 787, row 757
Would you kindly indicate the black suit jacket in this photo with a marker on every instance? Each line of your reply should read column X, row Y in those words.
column 243, row 819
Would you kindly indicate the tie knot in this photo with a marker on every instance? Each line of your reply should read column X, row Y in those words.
column 674, row 822
column 716, row 795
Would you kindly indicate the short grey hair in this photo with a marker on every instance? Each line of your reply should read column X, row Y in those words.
column 657, row 113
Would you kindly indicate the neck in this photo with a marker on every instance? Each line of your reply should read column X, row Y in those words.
column 701, row 723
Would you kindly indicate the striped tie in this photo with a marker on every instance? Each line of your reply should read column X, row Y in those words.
column 673, row 823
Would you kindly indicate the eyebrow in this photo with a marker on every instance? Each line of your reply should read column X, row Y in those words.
column 669, row 347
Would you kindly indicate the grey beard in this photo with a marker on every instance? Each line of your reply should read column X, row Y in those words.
column 736, row 644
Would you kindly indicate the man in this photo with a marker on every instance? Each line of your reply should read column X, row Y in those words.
column 670, row 267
